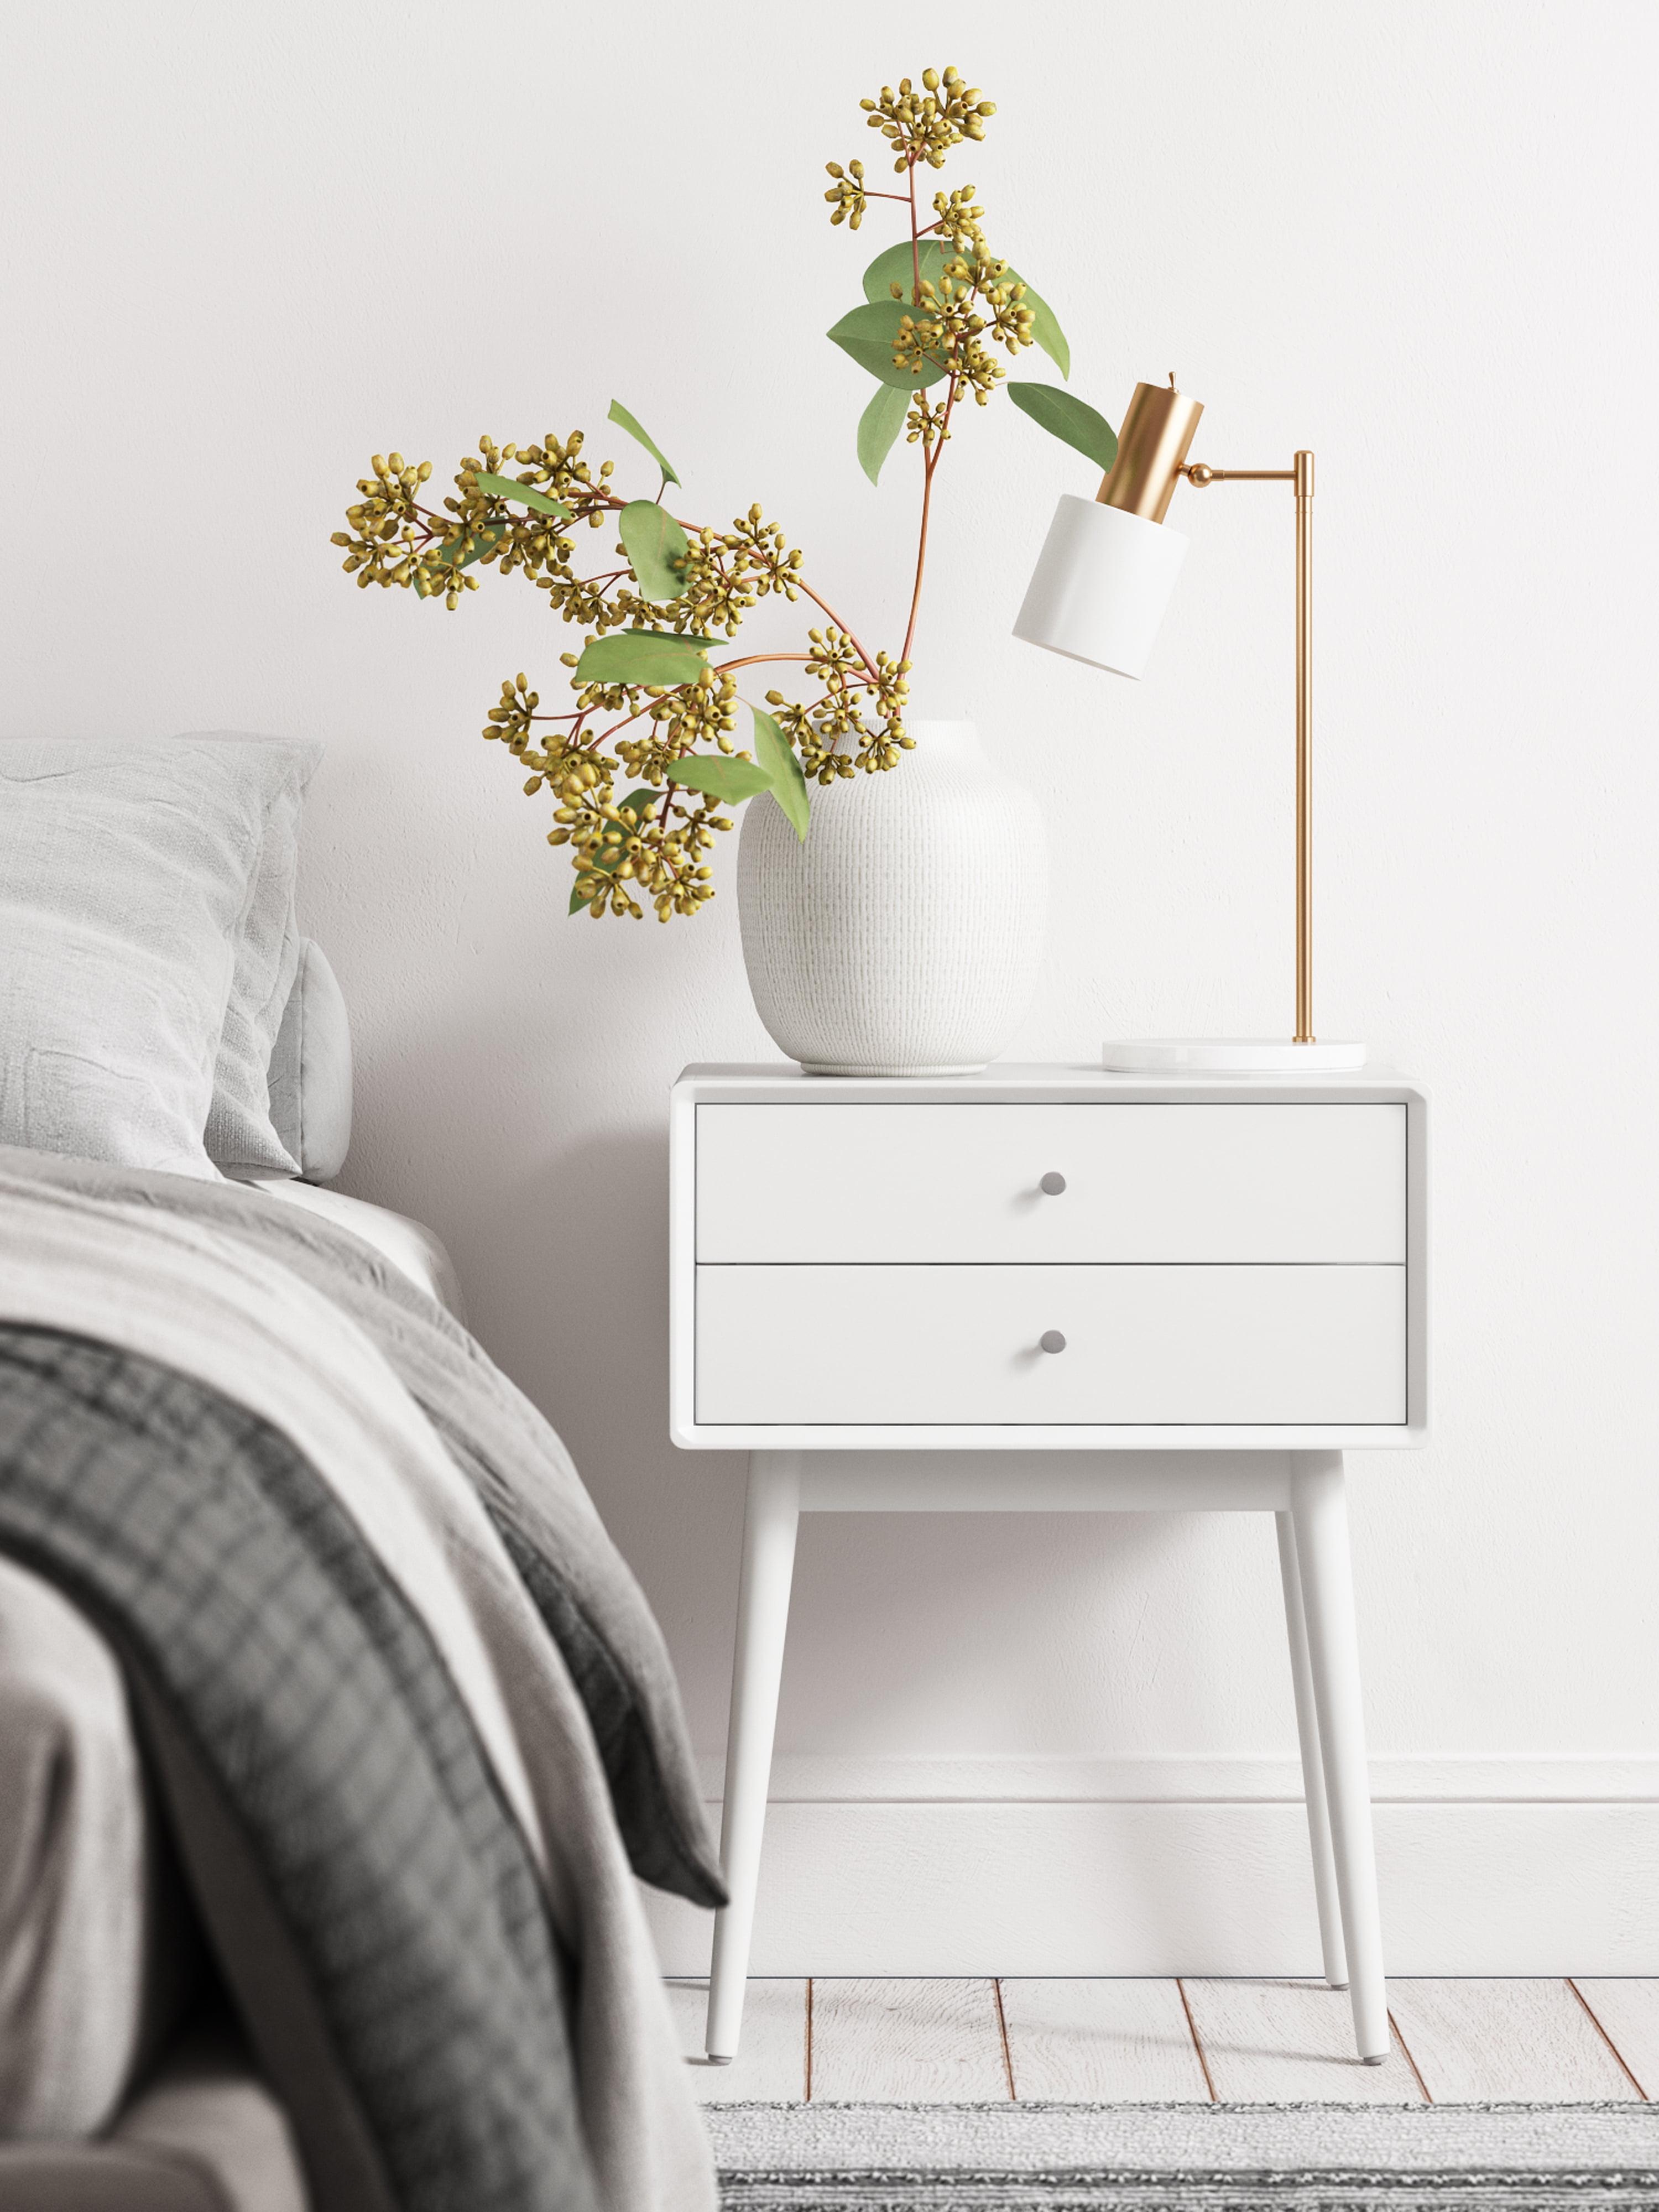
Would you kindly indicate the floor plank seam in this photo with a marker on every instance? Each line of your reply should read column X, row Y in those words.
column 1198, row 2046
column 1002, row 2030
column 1596, row 2024
column 1417, row 2071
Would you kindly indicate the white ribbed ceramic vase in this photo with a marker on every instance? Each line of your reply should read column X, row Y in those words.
column 904, row 938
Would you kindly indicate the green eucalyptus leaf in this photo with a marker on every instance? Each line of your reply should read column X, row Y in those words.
column 446, row 559
column 1045, row 324
column 869, row 333
column 527, row 495
column 640, row 656
column 639, row 805
column 475, row 543
column 721, row 777
column 879, row 424
column 777, row 757
column 1045, row 329
column 578, row 903
column 656, row 547
column 620, row 414
column 899, row 266
column 1069, row 418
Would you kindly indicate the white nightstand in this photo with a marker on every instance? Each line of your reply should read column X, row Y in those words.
column 1077, row 1292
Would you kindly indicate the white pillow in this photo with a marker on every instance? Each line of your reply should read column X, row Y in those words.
column 242, row 1136
column 126, row 871
column 311, row 1070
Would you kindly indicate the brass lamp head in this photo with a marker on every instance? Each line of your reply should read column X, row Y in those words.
column 1098, row 592
column 1157, row 430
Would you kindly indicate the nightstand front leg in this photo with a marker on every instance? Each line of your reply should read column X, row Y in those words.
column 1313, row 1762
column 1320, row 1513
column 770, row 1520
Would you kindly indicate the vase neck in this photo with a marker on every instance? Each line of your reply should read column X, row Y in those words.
column 940, row 740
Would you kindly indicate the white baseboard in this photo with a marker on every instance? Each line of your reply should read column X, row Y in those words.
column 1488, row 1866
column 1551, row 1778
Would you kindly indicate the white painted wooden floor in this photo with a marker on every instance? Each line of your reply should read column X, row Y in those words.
column 1130, row 2042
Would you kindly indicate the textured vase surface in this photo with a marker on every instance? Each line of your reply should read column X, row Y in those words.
column 904, row 937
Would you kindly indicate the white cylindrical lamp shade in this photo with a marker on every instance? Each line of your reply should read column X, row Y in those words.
column 1100, row 588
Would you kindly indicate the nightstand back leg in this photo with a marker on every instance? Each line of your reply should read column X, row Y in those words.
column 770, row 1520
column 1313, row 1762
column 1319, row 1510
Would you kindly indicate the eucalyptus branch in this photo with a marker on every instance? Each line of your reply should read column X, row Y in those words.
column 651, row 706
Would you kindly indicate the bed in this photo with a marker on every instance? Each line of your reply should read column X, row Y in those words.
column 334, row 1733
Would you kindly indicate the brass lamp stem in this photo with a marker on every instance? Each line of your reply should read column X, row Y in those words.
column 1304, row 489
column 1301, row 478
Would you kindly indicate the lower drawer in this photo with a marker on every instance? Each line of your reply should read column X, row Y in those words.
column 1145, row 1345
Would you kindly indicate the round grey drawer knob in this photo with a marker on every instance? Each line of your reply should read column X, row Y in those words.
column 1054, row 1182
column 1052, row 1341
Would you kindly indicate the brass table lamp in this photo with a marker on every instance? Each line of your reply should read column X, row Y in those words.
column 1099, row 594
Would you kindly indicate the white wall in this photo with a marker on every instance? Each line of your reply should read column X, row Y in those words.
column 247, row 247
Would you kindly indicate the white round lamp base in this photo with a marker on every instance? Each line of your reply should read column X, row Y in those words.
column 1228, row 1056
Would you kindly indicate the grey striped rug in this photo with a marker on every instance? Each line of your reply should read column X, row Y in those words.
column 1186, row 2157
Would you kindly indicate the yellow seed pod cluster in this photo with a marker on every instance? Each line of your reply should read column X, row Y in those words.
column 921, row 123
column 959, row 218
column 846, row 194
column 977, row 297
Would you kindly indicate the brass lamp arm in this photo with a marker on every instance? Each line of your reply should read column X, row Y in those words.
column 1199, row 474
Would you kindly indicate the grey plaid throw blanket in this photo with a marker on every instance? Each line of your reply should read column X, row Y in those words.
column 240, row 1593
column 399, row 1814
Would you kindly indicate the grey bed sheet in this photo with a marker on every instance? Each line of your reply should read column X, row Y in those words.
column 205, row 2135
column 78, row 1848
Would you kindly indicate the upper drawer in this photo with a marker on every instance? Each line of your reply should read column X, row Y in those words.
column 1166, row 1182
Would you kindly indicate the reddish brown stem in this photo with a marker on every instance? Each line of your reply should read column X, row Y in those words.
column 605, row 736
column 846, row 630
column 938, row 446
column 915, row 238
column 931, row 463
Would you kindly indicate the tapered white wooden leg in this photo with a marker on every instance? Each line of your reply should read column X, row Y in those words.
column 770, row 1520
column 1313, row 1762
column 1320, row 1513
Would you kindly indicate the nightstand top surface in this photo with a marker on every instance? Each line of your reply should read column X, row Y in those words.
column 1013, row 1079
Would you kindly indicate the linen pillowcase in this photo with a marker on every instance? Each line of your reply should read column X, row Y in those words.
column 311, row 1070
column 125, row 871
column 241, row 1135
